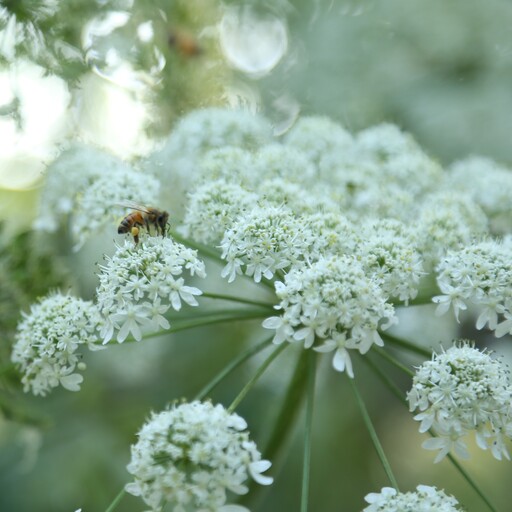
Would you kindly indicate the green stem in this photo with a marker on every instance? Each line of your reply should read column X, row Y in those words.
column 242, row 300
column 256, row 376
column 310, row 398
column 373, row 435
column 470, row 481
column 199, row 247
column 283, row 426
column 408, row 345
column 213, row 317
column 233, row 364
column 384, row 378
column 116, row 501
column 386, row 355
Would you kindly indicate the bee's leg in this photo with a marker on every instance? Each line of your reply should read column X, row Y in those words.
column 135, row 234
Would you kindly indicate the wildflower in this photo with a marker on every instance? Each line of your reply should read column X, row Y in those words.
column 85, row 184
column 213, row 207
column 460, row 391
column 48, row 340
column 140, row 283
column 389, row 250
column 425, row 498
column 480, row 273
column 448, row 220
column 488, row 183
column 263, row 241
column 334, row 303
column 316, row 136
column 190, row 455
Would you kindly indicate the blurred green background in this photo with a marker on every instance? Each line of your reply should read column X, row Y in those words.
column 440, row 70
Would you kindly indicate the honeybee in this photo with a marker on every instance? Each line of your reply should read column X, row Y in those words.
column 143, row 217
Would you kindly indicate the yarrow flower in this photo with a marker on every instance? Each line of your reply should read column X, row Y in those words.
column 460, row 391
column 139, row 284
column 334, row 303
column 48, row 342
column 191, row 456
column 481, row 274
column 425, row 498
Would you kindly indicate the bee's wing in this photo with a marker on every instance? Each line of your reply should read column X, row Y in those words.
column 133, row 206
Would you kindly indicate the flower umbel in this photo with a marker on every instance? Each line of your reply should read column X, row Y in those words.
column 190, row 455
column 141, row 282
column 425, row 498
column 48, row 339
column 334, row 302
column 460, row 391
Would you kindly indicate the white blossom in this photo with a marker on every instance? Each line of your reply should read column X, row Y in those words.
column 448, row 220
column 262, row 242
column 460, row 391
column 480, row 274
column 190, row 455
column 140, row 283
column 48, row 342
column 331, row 305
column 389, row 251
column 424, row 499
column 87, row 185
column 213, row 207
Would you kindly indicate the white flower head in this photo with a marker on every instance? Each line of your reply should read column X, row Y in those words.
column 334, row 303
column 488, row 183
column 85, row 184
column 48, row 342
column 212, row 209
column 140, row 283
column 191, row 455
column 481, row 274
column 449, row 220
column 316, row 136
column 389, row 251
column 425, row 498
column 264, row 240
column 460, row 391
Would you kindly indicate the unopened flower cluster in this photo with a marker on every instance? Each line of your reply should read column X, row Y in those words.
column 425, row 498
column 140, row 283
column 191, row 455
column 459, row 392
column 48, row 340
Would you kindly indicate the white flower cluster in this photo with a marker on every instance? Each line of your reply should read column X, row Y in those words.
column 139, row 284
column 88, row 185
column 390, row 252
column 48, row 340
column 481, row 274
column 332, row 302
column 488, row 183
column 449, row 220
column 424, row 499
column 191, row 455
column 213, row 208
column 460, row 391
column 263, row 241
